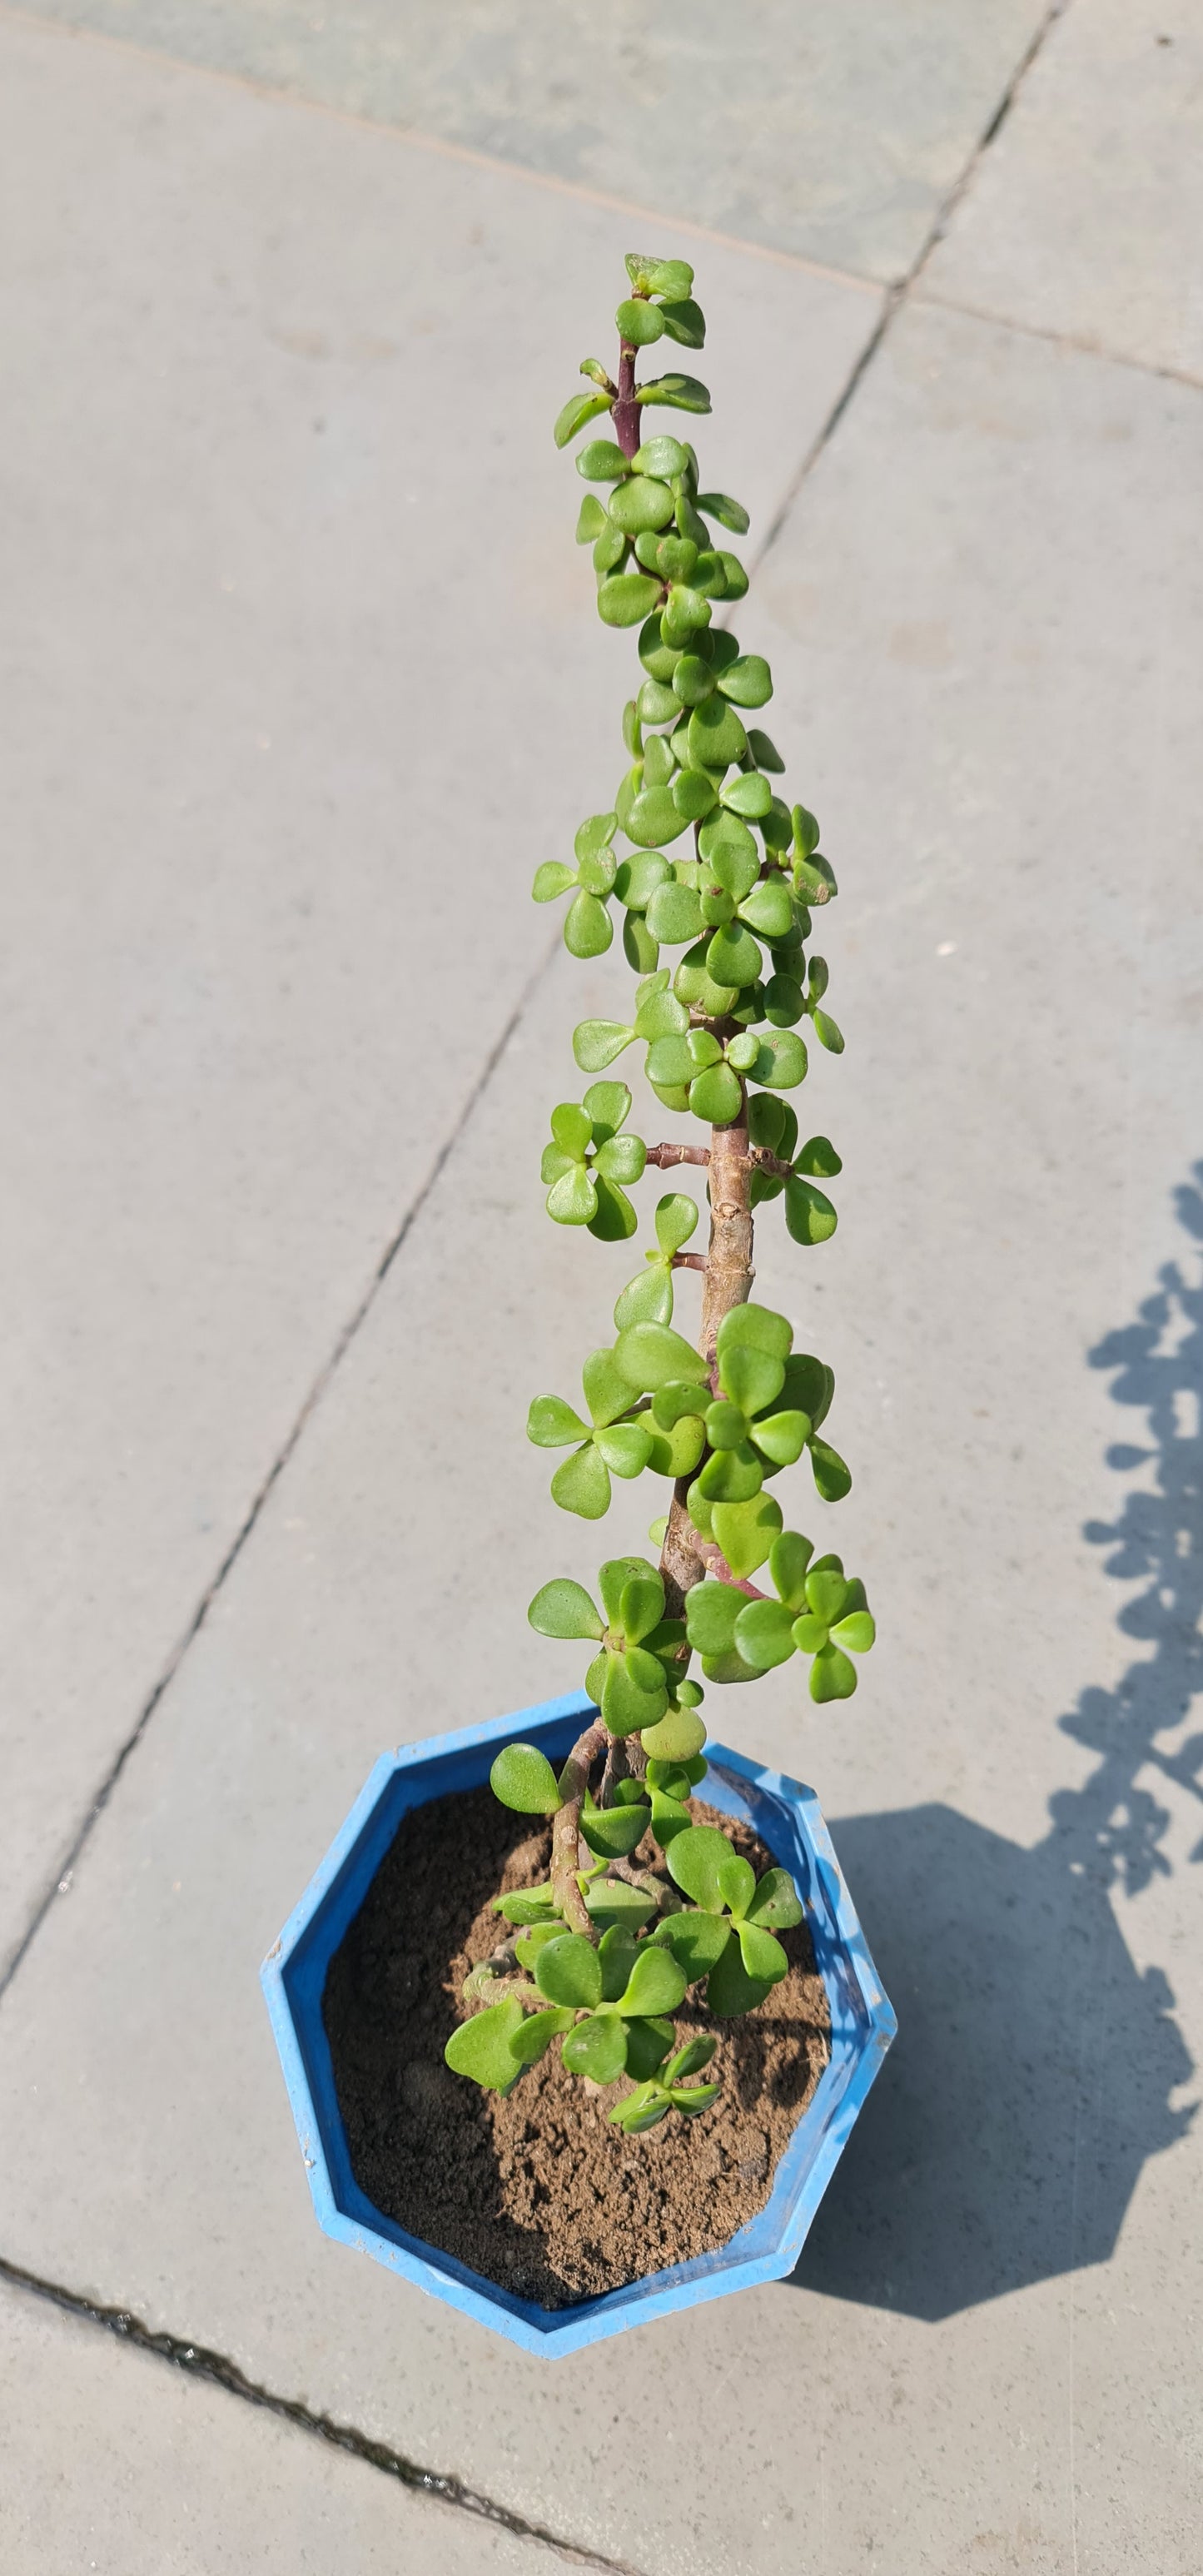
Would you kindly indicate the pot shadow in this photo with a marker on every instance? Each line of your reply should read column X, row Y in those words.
column 1034, row 2066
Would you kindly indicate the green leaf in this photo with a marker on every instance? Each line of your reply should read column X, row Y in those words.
column 818, row 1156
column 716, row 1095
column 769, row 908
column 577, row 410
column 651, row 1355
column 749, row 794
column 737, row 579
column 789, row 1558
column 693, row 793
column 764, row 1634
column 529, row 1943
column 776, row 1901
column 763, row 1958
column 564, row 1609
column 591, row 520
column 748, row 681
column 716, row 736
column 582, row 1484
column 675, row 1737
column 626, row 1705
column 658, row 658
column 660, row 1014
column 809, row 1215
column 766, row 756
column 676, row 1452
column 572, row 1200
column 654, row 818
column 737, row 1884
column 855, row 1633
column 695, row 1860
column 669, row 1817
column 736, row 870
column 782, row 1437
column 638, row 322
column 832, row 1476
column 612, row 1580
column 595, row 1043
column 641, row 503
column 711, row 1611
column 696, row 1941
column 690, row 2060
column 538, row 2030
column 572, row 1128
column 612, row 1832
column 527, row 1905
column 642, row 2109
column 685, row 323
column 730, row 514
column 597, row 2048
column 648, row 2043
column 676, row 1220
column 588, row 929
column 827, row 1032
column 656, row 1984
column 610, row 548
column 784, row 1001
column 680, row 393
column 730, row 1990
column 637, row 879
column 626, row 1448
column 523, row 1778
column 625, row 598
column 781, row 1063
column 602, row 461
column 685, row 610
column 641, row 1607
column 674, row 914
column 745, row 1531
column 757, row 1328
column 607, row 1393
column 662, row 456
column 610, row 1901
column 655, row 704
column 646, row 1299
column 732, row 956
column 551, row 1423
column 551, row 879
column 831, row 1675
column 483, row 2047
column 568, row 1971
column 672, row 278
column 731, row 1475
column 751, row 1377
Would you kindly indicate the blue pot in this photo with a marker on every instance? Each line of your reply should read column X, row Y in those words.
column 294, row 1974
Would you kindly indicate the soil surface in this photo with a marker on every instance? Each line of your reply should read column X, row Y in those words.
column 538, row 2191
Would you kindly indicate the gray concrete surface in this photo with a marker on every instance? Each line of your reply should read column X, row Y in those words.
column 1086, row 221
column 835, row 134
column 119, row 2455
column 984, row 615
column 246, row 569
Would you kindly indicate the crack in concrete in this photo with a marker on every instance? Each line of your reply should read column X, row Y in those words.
column 200, row 2363
column 65, row 1868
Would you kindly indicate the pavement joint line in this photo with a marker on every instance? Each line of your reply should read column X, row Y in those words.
column 198, row 2362
column 1072, row 340
column 897, row 293
column 63, row 1872
column 416, row 135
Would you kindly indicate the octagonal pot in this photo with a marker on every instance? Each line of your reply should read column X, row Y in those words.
column 787, row 1818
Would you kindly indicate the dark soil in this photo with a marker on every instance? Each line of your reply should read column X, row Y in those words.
column 538, row 2192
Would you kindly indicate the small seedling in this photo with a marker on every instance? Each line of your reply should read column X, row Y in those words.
column 721, row 880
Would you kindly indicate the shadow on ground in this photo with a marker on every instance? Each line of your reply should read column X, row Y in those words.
column 1034, row 2066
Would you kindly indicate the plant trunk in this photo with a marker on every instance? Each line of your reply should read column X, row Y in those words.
column 728, row 1283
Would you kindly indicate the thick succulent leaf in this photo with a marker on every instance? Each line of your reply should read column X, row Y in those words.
column 752, row 1378
column 782, row 1436
column 649, row 2040
column 551, row 879
column 676, row 1220
column 676, row 1452
column 752, row 796
column 528, row 1905
column 669, row 1816
column 776, row 1902
column 764, row 1634
column 809, row 1215
column 789, row 1557
column 530, row 1942
column 661, row 1015
column 730, row 1668
column 809, row 1385
column 831, row 1675
column 568, row 1971
column 675, row 1737
column 757, row 1328
column 636, row 879
column 641, row 1608
column 625, row 598
column 833, row 1477
column 483, row 2047
column 577, row 410
column 639, row 322
column 621, row 1159
column 716, row 1095
column 731, row 1475
column 639, row 504
column 595, row 1043
column 650, row 1355
column 653, row 818
column 564, row 1609
column 610, row 1900
column 856, row 1633
column 730, row 1990
column 646, row 1299
column 695, row 1861
column 680, row 393
column 762, row 1955
column 662, row 454
column 591, row 520
column 690, row 2060
column 711, row 1611
column 523, row 1778
column 748, row 680
column 733, row 957
column 607, row 1393
column 643, row 2109
column 827, row 1032
column 588, row 929
column 582, row 1484
column 628, row 1704
column 656, row 1984
column 612, row 1832
column 626, row 1448
column 613, row 1578
column 551, row 1423
column 745, row 1531
column 602, row 460
column 597, row 2048
column 769, row 908
column 685, row 322
column 716, row 735
column 537, row 2033
column 737, row 1884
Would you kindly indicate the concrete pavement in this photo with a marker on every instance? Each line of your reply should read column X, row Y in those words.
column 983, row 612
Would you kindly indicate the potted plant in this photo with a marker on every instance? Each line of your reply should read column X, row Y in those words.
column 505, row 2038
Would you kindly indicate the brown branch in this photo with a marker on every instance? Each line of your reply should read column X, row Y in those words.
column 688, row 1261
column 565, row 1832
column 664, row 1156
column 648, row 1884
column 625, row 414
column 763, row 1161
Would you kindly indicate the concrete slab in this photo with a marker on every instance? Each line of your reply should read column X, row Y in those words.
column 118, row 2462
column 1085, row 217
column 832, row 133
column 985, row 2360
column 275, row 477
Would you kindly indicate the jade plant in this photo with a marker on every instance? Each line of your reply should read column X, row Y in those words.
column 715, row 879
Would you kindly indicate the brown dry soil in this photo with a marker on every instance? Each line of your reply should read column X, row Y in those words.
column 538, row 2191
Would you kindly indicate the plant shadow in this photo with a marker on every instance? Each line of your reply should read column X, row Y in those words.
column 1034, row 2066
